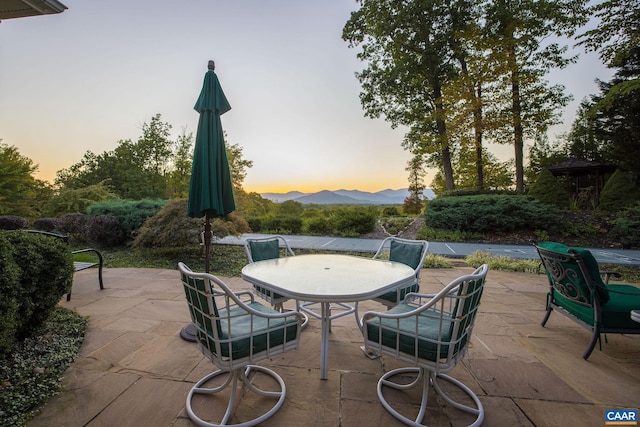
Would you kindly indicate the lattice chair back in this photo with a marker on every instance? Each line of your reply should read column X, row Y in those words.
column 570, row 276
column 265, row 248
column 408, row 252
column 232, row 329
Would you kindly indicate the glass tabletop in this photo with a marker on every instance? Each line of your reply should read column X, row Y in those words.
column 328, row 278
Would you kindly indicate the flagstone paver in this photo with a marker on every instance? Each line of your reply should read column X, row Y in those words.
column 134, row 370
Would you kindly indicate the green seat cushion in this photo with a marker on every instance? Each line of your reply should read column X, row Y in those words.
column 238, row 334
column 615, row 314
column 404, row 331
column 590, row 263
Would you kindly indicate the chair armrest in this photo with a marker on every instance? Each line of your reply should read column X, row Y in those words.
column 607, row 275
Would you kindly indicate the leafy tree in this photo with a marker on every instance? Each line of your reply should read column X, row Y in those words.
column 407, row 45
column 20, row 193
column 74, row 200
column 289, row 208
column 518, row 29
column 542, row 155
column 178, row 180
column 617, row 33
column 414, row 203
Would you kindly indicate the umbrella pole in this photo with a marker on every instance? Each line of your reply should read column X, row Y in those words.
column 207, row 244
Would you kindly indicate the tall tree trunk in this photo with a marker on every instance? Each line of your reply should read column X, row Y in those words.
column 441, row 126
column 516, row 114
column 478, row 128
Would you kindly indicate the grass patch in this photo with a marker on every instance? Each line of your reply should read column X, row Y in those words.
column 31, row 374
column 503, row 263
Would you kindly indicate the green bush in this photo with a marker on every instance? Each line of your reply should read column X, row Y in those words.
column 317, row 226
column 12, row 222
column 627, row 227
column 45, row 274
column 74, row 225
column 547, row 189
column 619, row 192
column 353, row 221
column 9, row 286
column 483, row 213
column 130, row 213
column 45, row 224
column 106, row 231
column 172, row 228
column 282, row 224
column 255, row 223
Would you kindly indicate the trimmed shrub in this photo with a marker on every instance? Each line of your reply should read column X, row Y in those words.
column 485, row 213
column 317, row 225
column 130, row 213
column 12, row 222
column 619, row 192
column 106, row 231
column 627, row 227
column 45, row 274
column 353, row 221
column 255, row 223
column 45, row 224
column 282, row 224
column 547, row 189
column 9, row 286
column 74, row 225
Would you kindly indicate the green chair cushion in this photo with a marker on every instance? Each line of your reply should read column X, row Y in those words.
column 260, row 251
column 615, row 314
column 239, row 331
column 408, row 254
column 404, row 333
column 268, row 249
column 591, row 265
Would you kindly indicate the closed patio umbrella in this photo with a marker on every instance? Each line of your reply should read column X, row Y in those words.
column 210, row 188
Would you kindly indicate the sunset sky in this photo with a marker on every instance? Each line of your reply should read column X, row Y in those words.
column 92, row 75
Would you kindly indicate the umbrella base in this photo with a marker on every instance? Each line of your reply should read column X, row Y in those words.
column 188, row 333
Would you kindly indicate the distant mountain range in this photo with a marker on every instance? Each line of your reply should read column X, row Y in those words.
column 348, row 197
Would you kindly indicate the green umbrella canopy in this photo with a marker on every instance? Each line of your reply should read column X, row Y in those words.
column 210, row 189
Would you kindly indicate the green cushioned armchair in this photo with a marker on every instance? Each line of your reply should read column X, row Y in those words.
column 235, row 332
column 578, row 292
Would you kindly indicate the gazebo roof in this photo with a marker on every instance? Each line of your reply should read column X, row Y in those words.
column 577, row 167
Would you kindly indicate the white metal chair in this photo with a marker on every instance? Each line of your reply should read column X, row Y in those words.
column 263, row 248
column 235, row 332
column 408, row 252
column 431, row 332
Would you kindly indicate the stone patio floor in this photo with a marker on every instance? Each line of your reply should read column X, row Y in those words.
column 134, row 370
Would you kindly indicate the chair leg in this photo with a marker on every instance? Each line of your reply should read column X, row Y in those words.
column 239, row 375
column 425, row 378
column 592, row 343
column 546, row 316
column 549, row 309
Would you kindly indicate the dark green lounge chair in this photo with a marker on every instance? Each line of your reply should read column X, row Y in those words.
column 579, row 292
